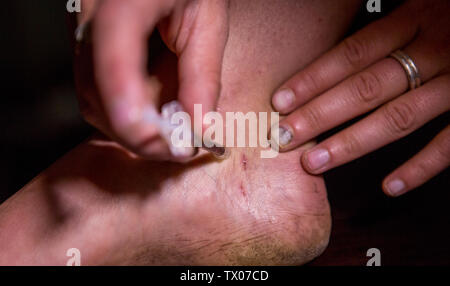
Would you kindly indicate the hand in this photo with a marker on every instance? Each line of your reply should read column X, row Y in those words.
column 196, row 30
column 358, row 76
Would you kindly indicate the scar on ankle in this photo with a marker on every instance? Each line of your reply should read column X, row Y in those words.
column 241, row 187
column 244, row 162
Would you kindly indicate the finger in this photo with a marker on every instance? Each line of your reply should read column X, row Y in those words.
column 360, row 50
column 353, row 97
column 389, row 123
column 429, row 162
column 87, row 93
column 119, row 50
column 79, row 22
column 200, row 62
column 88, row 8
column 357, row 95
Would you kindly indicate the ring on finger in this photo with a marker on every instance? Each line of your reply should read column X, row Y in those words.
column 412, row 72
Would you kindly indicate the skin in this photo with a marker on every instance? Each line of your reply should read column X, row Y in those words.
column 357, row 77
column 118, row 208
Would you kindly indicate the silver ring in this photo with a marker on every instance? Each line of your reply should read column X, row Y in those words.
column 410, row 68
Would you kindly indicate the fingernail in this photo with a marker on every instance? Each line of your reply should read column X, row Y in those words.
column 285, row 136
column 283, row 99
column 83, row 32
column 396, row 187
column 318, row 158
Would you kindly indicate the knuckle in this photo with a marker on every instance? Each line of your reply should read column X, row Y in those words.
column 311, row 82
column 351, row 145
column 400, row 117
column 355, row 51
column 420, row 171
column 107, row 9
column 367, row 88
column 312, row 116
column 443, row 147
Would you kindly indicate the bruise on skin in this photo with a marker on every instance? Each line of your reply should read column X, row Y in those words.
column 241, row 187
column 244, row 162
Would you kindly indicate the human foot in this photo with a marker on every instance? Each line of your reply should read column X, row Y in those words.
column 119, row 209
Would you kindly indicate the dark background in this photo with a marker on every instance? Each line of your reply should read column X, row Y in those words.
column 40, row 123
column 39, row 116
